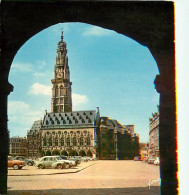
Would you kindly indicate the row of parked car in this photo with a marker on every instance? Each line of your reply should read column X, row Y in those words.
column 150, row 160
column 58, row 162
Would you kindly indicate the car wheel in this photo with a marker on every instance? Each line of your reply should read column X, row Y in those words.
column 30, row 164
column 59, row 166
column 15, row 166
column 40, row 166
column 67, row 166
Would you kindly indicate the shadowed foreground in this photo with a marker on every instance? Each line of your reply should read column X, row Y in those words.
column 154, row 190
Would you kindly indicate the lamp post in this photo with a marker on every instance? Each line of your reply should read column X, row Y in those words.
column 115, row 133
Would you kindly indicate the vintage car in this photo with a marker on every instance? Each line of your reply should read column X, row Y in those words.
column 54, row 162
column 29, row 162
column 137, row 158
column 151, row 159
column 15, row 164
column 157, row 161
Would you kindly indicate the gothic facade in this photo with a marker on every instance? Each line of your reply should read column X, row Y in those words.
column 70, row 133
column 116, row 141
column 34, row 140
column 154, row 134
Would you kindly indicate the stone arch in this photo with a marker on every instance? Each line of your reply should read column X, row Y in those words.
column 89, row 153
column 56, row 152
column 48, row 153
column 42, row 153
column 64, row 153
column 82, row 153
column 156, row 32
column 73, row 153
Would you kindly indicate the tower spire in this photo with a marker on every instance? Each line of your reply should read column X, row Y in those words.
column 61, row 85
column 62, row 36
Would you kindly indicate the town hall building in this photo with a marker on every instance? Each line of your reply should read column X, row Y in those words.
column 84, row 133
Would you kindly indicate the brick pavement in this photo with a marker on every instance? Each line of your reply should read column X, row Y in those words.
column 104, row 177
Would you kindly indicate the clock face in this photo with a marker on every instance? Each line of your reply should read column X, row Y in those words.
column 59, row 75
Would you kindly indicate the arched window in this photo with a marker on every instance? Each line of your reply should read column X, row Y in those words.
column 68, row 141
column 56, row 91
column 44, row 142
column 64, row 91
column 53, row 91
column 88, row 141
column 61, row 90
column 74, row 141
column 56, row 141
column 62, row 141
column 50, row 141
column 81, row 141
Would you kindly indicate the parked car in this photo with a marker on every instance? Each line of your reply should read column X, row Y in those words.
column 157, row 161
column 29, row 162
column 54, row 162
column 151, row 159
column 86, row 158
column 15, row 164
column 77, row 159
column 137, row 158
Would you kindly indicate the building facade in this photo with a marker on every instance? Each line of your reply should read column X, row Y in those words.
column 70, row 133
column 116, row 141
column 18, row 146
column 154, row 135
column 34, row 140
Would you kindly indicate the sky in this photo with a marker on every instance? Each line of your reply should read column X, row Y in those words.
column 107, row 70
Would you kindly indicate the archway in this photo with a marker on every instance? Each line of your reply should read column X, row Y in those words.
column 48, row 153
column 82, row 153
column 42, row 153
column 89, row 153
column 55, row 152
column 64, row 153
column 156, row 32
column 73, row 153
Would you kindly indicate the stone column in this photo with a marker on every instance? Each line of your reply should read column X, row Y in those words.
column 5, row 89
column 165, row 85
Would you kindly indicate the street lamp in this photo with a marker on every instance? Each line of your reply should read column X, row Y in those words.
column 115, row 132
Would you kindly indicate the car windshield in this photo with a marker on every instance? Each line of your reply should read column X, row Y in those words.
column 58, row 158
column 10, row 158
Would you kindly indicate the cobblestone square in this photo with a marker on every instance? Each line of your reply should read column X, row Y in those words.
column 95, row 177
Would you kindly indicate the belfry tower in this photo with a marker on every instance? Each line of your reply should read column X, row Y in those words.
column 61, row 85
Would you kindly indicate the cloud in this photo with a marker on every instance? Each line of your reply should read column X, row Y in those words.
column 96, row 31
column 79, row 99
column 22, row 115
column 40, row 89
column 17, row 106
column 22, row 67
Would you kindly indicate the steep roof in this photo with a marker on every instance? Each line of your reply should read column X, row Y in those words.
column 76, row 119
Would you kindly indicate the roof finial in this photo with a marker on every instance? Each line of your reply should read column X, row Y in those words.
column 62, row 35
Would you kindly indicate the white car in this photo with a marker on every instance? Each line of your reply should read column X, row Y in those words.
column 157, row 161
column 54, row 162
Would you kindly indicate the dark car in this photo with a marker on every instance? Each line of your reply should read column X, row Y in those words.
column 29, row 162
column 151, row 159
column 137, row 158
